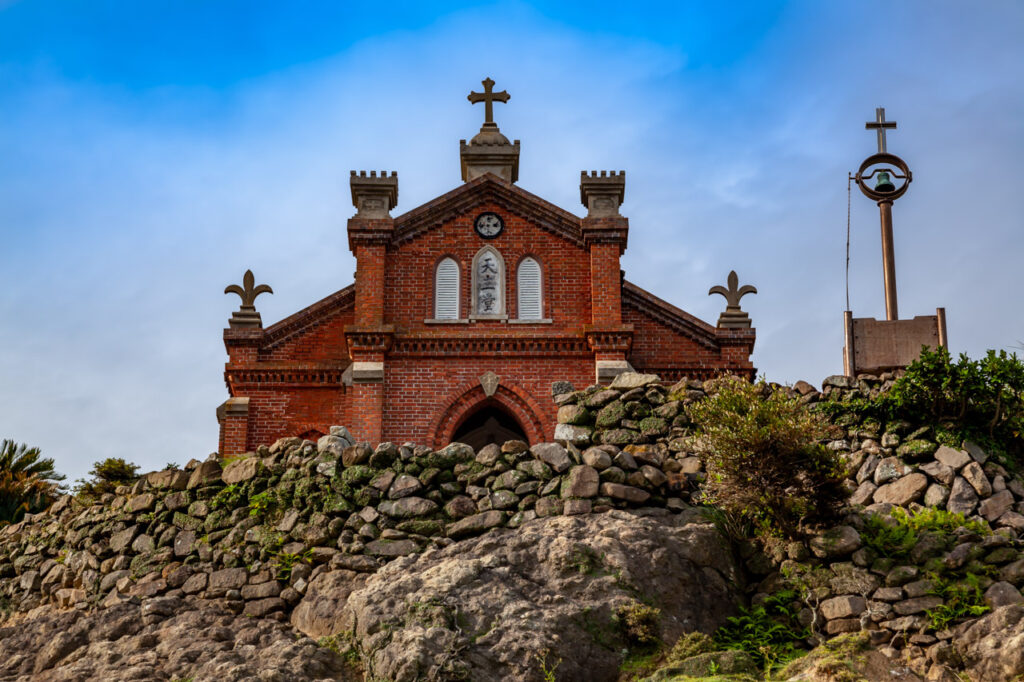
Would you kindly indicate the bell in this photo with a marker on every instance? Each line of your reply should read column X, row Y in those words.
column 884, row 183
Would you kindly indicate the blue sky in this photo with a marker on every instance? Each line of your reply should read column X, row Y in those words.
column 151, row 152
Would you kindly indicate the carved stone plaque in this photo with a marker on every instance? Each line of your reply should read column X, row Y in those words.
column 489, row 382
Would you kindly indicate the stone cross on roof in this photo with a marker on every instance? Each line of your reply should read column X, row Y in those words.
column 880, row 125
column 488, row 98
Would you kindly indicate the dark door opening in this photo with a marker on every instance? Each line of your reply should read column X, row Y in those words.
column 489, row 425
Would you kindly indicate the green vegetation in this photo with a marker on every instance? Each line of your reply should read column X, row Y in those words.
column 106, row 475
column 28, row 482
column 963, row 399
column 764, row 457
column 284, row 562
column 639, row 623
column 895, row 535
column 770, row 633
column 261, row 503
column 228, row 497
column 689, row 645
column 962, row 599
column 547, row 670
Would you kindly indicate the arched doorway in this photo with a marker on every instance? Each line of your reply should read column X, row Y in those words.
column 490, row 424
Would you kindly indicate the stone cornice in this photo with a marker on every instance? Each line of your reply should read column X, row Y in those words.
column 487, row 189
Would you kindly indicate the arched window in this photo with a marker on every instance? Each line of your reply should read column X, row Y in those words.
column 446, row 290
column 528, row 288
column 488, row 283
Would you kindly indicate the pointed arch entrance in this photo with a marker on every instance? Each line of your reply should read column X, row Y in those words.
column 489, row 424
column 508, row 414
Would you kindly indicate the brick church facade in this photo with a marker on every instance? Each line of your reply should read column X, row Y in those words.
column 462, row 314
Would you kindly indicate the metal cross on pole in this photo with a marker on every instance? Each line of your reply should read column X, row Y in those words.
column 488, row 98
column 880, row 125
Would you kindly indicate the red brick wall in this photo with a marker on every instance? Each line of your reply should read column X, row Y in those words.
column 409, row 279
column 660, row 349
column 432, row 371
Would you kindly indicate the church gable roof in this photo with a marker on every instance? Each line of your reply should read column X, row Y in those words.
column 295, row 325
column 667, row 314
column 488, row 188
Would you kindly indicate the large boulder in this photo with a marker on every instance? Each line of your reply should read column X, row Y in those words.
column 993, row 647
column 483, row 608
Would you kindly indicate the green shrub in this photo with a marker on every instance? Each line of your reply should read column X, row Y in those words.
column 962, row 599
column 639, row 623
column 895, row 535
column 770, row 633
column 689, row 645
column 764, row 457
column 963, row 399
column 107, row 475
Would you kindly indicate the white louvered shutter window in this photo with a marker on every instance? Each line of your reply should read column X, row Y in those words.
column 528, row 286
column 446, row 290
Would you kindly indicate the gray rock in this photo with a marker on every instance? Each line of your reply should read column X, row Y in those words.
column 404, row 486
column 597, row 458
column 1002, row 594
column 889, row 469
column 902, row 491
column 863, row 494
column 476, row 524
column 512, row 584
column 962, row 497
column 552, row 454
column 207, row 473
column 975, row 451
column 624, row 492
column 242, row 470
column 997, row 505
column 141, row 503
column 992, row 647
column 836, row 542
column 977, row 478
column 391, row 548
column 843, row 607
column 909, row 607
column 332, row 446
column 228, row 579
column 936, row 495
column 407, row 507
column 939, row 471
column 955, row 459
column 581, row 481
column 121, row 540
column 570, row 433
column 630, row 380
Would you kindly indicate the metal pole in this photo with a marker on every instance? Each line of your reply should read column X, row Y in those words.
column 849, row 352
column 888, row 261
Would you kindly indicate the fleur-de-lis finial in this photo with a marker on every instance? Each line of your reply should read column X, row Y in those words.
column 246, row 315
column 733, row 316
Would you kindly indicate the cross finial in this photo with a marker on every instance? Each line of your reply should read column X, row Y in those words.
column 488, row 98
column 880, row 125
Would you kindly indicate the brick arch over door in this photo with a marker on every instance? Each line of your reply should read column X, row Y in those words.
column 469, row 398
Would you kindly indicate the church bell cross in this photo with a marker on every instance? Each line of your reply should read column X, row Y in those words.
column 880, row 125
column 488, row 98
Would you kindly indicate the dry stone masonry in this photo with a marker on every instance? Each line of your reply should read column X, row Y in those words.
column 412, row 555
